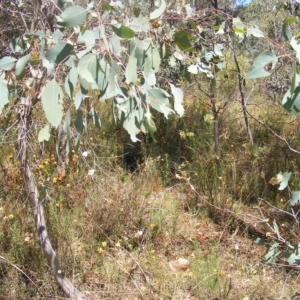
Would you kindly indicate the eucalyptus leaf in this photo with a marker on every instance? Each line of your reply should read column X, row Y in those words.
column 258, row 68
column 123, row 32
column 285, row 31
column 178, row 99
column 71, row 82
column 78, row 99
column 72, row 16
column 295, row 198
column 295, row 44
column 52, row 101
column 4, row 94
column 285, row 180
column 181, row 39
column 159, row 11
column 130, row 71
column 140, row 24
column 7, row 63
column 88, row 70
column 255, row 31
column 44, row 134
column 21, row 64
column 59, row 52
column 158, row 99
column 95, row 118
column 67, row 130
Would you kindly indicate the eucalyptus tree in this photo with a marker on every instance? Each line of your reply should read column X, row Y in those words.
column 114, row 50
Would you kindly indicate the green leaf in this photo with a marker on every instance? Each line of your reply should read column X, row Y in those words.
column 4, row 94
column 128, row 118
column 295, row 198
column 272, row 253
column 59, row 52
column 78, row 99
column 140, row 24
column 158, row 99
column 88, row 69
column 130, row 72
column 159, row 11
column 151, row 78
column 123, row 32
column 115, row 45
column 255, row 31
column 20, row 66
column 137, row 49
column 291, row 99
column 66, row 128
column 87, row 38
column 106, row 7
column 294, row 43
column 95, row 118
column 238, row 24
column 181, row 39
column 293, row 258
column 52, row 99
column 260, row 241
column 78, row 121
column 285, row 180
column 72, row 16
column 7, row 63
column 71, row 82
column 285, row 31
column 44, row 134
column 149, row 124
column 18, row 45
column 258, row 68
column 239, row 31
column 57, row 35
column 178, row 99
column 136, row 11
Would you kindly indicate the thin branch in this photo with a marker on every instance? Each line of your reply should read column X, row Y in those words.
column 276, row 134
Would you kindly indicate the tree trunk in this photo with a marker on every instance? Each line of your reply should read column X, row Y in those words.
column 216, row 131
column 24, row 112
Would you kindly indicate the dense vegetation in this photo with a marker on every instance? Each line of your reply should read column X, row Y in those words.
column 150, row 149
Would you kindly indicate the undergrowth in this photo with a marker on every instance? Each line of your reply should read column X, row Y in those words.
column 123, row 211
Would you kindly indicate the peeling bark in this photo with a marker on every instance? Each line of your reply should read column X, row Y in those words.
column 24, row 112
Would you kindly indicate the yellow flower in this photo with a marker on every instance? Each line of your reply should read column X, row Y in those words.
column 54, row 180
column 11, row 217
column 100, row 251
column 104, row 244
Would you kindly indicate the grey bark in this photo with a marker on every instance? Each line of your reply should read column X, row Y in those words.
column 24, row 112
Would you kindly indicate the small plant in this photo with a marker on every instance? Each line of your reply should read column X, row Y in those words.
column 283, row 224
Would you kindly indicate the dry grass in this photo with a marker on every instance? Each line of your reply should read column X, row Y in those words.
column 115, row 233
column 115, row 239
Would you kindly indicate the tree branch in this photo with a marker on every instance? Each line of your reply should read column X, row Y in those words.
column 24, row 112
